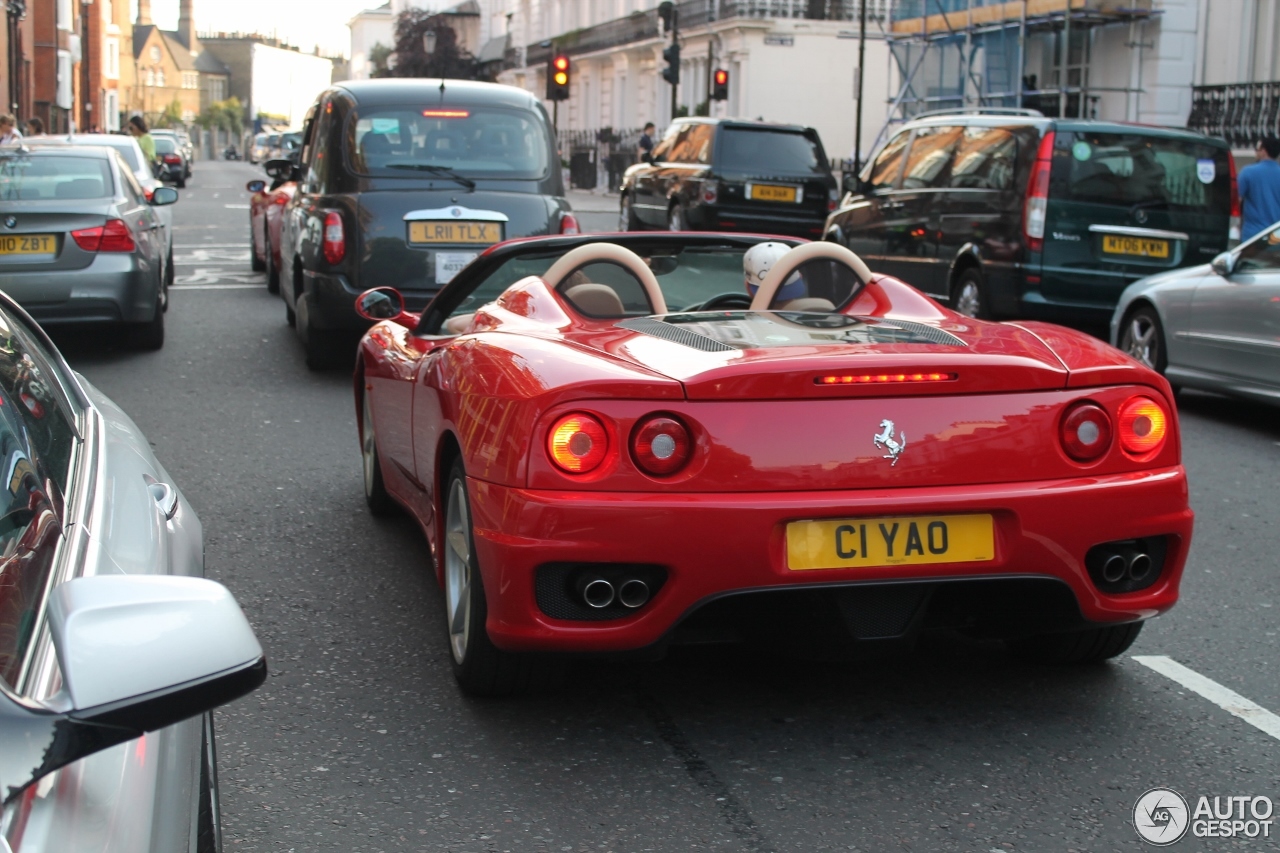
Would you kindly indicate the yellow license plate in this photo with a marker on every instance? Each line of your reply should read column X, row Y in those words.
column 772, row 192
column 433, row 231
column 28, row 244
column 855, row 543
column 1138, row 246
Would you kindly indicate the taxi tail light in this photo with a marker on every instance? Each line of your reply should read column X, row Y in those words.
column 577, row 443
column 661, row 445
column 112, row 236
column 1086, row 432
column 569, row 224
column 335, row 238
column 710, row 192
column 1036, row 208
column 1236, row 212
column 1144, row 425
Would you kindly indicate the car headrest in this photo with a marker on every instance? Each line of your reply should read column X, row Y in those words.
column 596, row 300
column 798, row 257
column 575, row 259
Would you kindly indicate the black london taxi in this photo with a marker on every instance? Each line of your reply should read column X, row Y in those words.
column 401, row 183
column 1012, row 214
column 727, row 175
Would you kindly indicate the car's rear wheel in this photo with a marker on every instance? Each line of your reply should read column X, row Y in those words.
column 209, row 818
column 480, row 667
column 149, row 335
column 1142, row 337
column 273, row 273
column 169, row 275
column 375, row 492
column 1091, row 645
column 676, row 218
column 256, row 263
column 969, row 295
column 627, row 219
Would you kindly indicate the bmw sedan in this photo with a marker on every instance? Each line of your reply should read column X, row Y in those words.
column 80, row 242
column 113, row 646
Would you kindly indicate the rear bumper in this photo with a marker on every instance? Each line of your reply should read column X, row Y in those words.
column 716, row 217
column 331, row 302
column 114, row 288
column 713, row 546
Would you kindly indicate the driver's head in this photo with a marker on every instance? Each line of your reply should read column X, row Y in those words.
column 757, row 263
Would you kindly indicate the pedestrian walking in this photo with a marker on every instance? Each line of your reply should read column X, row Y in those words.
column 645, row 149
column 35, row 126
column 1259, row 186
column 138, row 128
column 9, row 133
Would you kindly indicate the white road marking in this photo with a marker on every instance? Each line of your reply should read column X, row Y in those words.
column 1226, row 699
column 207, row 275
column 211, row 245
column 217, row 287
column 236, row 206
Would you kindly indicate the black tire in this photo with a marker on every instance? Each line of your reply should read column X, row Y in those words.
column 209, row 818
column 969, row 295
column 273, row 274
column 482, row 669
column 627, row 219
column 1091, row 645
column 376, row 496
column 182, row 183
column 254, row 262
column 1142, row 337
column 148, row 335
column 169, row 275
column 325, row 349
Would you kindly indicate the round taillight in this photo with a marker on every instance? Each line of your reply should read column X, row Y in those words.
column 577, row 443
column 1086, row 432
column 660, row 445
column 1143, row 425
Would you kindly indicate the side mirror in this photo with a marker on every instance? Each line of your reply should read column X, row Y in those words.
column 385, row 303
column 256, row 186
column 281, row 170
column 161, row 196
column 1223, row 264
column 137, row 653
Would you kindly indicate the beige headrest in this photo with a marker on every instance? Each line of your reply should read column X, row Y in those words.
column 596, row 300
column 607, row 253
column 796, row 258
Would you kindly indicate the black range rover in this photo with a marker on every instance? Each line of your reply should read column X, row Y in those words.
column 725, row 175
column 401, row 183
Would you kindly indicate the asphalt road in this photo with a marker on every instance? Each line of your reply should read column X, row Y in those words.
column 360, row 741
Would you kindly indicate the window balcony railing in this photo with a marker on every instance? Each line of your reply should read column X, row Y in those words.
column 1241, row 113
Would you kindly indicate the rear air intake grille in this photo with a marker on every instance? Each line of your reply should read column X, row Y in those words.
column 930, row 333
column 675, row 334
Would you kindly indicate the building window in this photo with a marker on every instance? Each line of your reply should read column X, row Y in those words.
column 155, row 53
column 151, row 76
column 217, row 88
column 109, row 11
column 160, row 77
column 64, row 79
column 113, row 59
column 111, row 110
column 65, row 21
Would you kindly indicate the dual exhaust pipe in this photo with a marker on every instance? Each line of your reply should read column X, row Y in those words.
column 1130, row 563
column 598, row 593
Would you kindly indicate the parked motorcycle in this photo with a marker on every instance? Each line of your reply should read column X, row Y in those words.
column 230, row 153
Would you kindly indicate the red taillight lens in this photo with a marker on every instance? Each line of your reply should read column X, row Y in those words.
column 1036, row 208
column 661, row 445
column 150, row 194
column 280, row 199
column 172, row 159
column 113, row 236
column 1143, row 425
column 710, row 192
column 577, row 443
column 1235, row 186
column 1086, row 432
column 335, row 238
column 569, row 224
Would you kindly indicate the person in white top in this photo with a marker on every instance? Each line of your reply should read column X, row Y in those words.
column 9, row 133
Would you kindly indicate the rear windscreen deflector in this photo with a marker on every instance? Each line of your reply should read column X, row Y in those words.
column 720, row 331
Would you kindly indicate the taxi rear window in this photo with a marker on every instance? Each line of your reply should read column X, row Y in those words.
column 480, row 142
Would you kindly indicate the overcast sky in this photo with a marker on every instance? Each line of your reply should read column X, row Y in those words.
column 304, row 23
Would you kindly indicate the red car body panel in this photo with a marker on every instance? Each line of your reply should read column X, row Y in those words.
column 771, row 445
column 265, row 210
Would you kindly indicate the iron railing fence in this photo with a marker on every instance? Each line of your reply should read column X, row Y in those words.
column 1241, row 113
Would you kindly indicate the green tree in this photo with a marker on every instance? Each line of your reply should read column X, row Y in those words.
column 225, row 115
column 447, row 58
column 379, row 58
column 171, row 116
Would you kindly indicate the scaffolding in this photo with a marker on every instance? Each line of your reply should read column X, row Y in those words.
column 1005, row 54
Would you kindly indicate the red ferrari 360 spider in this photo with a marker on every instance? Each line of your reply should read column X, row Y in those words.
column 611, row 446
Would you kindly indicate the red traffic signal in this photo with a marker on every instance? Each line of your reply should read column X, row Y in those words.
column 558, row 78
column 720, row 85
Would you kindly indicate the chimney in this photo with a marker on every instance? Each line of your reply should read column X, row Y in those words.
column 187, row 26
column 144, row 13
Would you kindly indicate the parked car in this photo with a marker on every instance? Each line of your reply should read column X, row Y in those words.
column 1011, row 214
column 80, row 242
column 266, row 206
column 127, row 147
column 730, row 175
column 259, row 149
column 403, row 183
column 184, row 146
column 287, row 147
column 608, row 456
column 1211, row 327
column 99, row 541
column 170, row 163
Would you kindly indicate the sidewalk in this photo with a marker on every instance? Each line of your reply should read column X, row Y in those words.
column 590, row 201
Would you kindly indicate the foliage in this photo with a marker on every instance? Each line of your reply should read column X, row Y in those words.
column 379, row 58
column 703, row 109
column 171, row 116
column 273, row 119
column 448, row 60
column 225, row 115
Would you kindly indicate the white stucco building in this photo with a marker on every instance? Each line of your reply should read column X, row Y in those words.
column 368, row 29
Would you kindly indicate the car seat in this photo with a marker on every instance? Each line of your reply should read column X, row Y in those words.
column 595, row 300
column 374, row 146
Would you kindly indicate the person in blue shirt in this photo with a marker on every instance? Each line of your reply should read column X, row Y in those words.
column 1259, row 187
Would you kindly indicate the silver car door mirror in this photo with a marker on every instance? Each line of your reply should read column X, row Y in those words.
column 1223, row 264
column 163, row 195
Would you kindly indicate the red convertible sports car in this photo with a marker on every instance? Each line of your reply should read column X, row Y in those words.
column 612, row 446
column 266, row 205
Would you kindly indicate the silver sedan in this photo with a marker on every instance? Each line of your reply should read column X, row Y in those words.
column 1214, row 327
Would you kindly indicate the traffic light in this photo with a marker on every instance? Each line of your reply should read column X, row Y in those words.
column 672, row 72
column 720, row 85
column 558, row 78
column 669, row 14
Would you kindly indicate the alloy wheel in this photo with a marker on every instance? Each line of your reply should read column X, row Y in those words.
column 368, row 448
column 675, row 219
column 968, row 299
column 457, row 570
column 1142, row 340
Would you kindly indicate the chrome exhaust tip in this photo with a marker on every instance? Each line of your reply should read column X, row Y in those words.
column 1113, row 570
column 1139, row 566
column 633, row 593
column 597, row 593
